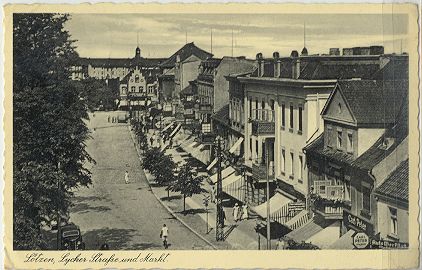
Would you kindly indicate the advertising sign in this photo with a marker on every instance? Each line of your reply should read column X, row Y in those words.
column 356, row 223
column 385, row 244
column 360, row 240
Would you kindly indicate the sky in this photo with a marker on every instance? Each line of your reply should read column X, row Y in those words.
column 160, row 35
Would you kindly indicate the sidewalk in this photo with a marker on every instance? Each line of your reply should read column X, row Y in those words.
column 237, row 236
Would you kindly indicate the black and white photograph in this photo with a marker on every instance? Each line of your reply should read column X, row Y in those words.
column 211, row 131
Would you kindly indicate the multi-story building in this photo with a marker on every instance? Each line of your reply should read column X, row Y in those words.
column 282, row 105
column 353, row 165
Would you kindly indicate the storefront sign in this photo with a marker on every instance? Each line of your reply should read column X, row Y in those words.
column 356, row 223
column 385, row 244
column 296, row 206
column 360, row 240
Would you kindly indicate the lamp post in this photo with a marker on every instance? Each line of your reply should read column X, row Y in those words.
column 268, row 197
column 219, row 228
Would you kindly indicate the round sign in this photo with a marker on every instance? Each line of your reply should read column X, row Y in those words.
column 360, row 240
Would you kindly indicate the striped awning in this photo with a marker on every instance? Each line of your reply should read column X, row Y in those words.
column 234, row 186
column 326, row 237
column 167, row 127
column 212, row 164
column 224, row 173
column 279, row 208
column 175, row 130
column 236, row 145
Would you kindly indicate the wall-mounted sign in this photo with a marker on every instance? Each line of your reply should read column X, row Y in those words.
column 360, row 240
column 385, row 244
column 356, row 223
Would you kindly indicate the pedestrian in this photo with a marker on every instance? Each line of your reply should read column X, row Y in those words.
column 281, row 244
column 151, row 140
column 244, row 211
column 104, row 247
column 224, row 217
column 127, row 177
column 108, row 118
column 171, row 143
column 164, row 235
column 236, row 212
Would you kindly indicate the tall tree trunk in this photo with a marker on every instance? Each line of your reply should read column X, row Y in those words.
column 184, row 204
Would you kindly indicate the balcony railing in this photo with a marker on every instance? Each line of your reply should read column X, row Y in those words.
column 331, row 202
column 259, row 170
column 263, row 122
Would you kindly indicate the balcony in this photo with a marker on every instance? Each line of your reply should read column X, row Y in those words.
column 263, row 122
column 205, row 108
column 259, row 171
column 330, row 207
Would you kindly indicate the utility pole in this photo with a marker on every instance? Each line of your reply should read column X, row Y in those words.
column 219, row 228
column 211, row 40
column 232, row 43
column 268, row 197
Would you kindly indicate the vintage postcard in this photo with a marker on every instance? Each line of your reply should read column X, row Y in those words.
column 211, row 136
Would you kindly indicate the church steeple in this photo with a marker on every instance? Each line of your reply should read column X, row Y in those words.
column 138, row 50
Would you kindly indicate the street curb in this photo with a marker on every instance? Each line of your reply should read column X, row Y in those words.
column 148, row 176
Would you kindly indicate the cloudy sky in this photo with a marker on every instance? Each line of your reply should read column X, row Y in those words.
column 160, row 35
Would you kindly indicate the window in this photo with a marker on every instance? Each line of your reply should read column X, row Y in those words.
column 141, row 88
column 283, row 160
column 283, row 115
column 206, row 128
column 272, row 104
column 291, row 116
column 256, row 109
column 136, row 79
column 366, row 198
column 328, row 135
column 132, row 89
column 250, row 148
column 300, row 118
column 346, row 188
column 250, row 108
column 339, row 139
column 393, row 220
column 292, row 159
column 300, row 167
column 350, row 142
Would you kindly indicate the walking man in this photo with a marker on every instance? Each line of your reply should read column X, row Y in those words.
column 127, row 177
column 164, row 234
column 244, row 211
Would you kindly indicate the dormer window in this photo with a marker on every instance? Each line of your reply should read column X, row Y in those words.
column 136, row 79
column 387, row 142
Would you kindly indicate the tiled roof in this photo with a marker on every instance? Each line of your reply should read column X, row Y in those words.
column 396, row 69
column 188, row 90
column 222, row 115
column 326, row 70
column 396, row 185
column 121, row 62
column 317, row 147
column 374, row 102
column 184, row 52
column 211, row 62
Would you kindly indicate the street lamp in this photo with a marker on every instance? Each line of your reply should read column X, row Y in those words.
column 268, row 196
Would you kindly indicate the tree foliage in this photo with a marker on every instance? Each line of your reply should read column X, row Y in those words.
column 160, row 165
column 97, row 93
column 49, row 131
column 187, row 182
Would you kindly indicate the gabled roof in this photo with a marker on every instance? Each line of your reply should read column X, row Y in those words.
column 184, row 52
column 126, row 78
column 372, row 102
column 326, row 70
column 396, row 186
column 122, row 62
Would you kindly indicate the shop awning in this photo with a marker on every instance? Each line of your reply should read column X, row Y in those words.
column 344, row 242
column 201, row 153
column 175, row 130
column 224, row 173
column 326, row 237
column 311, row 228
column 298, row 221
column 236, row 145
column 167, row 127
column 234, row 186
column 212, row 164
column 279, row 208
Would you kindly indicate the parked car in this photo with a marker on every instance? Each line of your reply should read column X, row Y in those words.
column 71, row 238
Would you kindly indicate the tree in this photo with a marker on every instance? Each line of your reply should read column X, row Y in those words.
column 161, row 166
column 188, row 183
column 49, row 133
column 97, row 93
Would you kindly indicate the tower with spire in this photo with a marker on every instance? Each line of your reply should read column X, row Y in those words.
column 138, row 50
column 304, row 50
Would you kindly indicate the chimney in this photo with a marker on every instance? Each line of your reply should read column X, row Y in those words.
column 260, row 64
column 295, row 64
column 347, row 51
column 277, row 64
column 365, row 51
column 334, row 51
column 376, row 50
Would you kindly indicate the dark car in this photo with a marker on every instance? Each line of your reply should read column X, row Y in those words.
column 71, row 238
